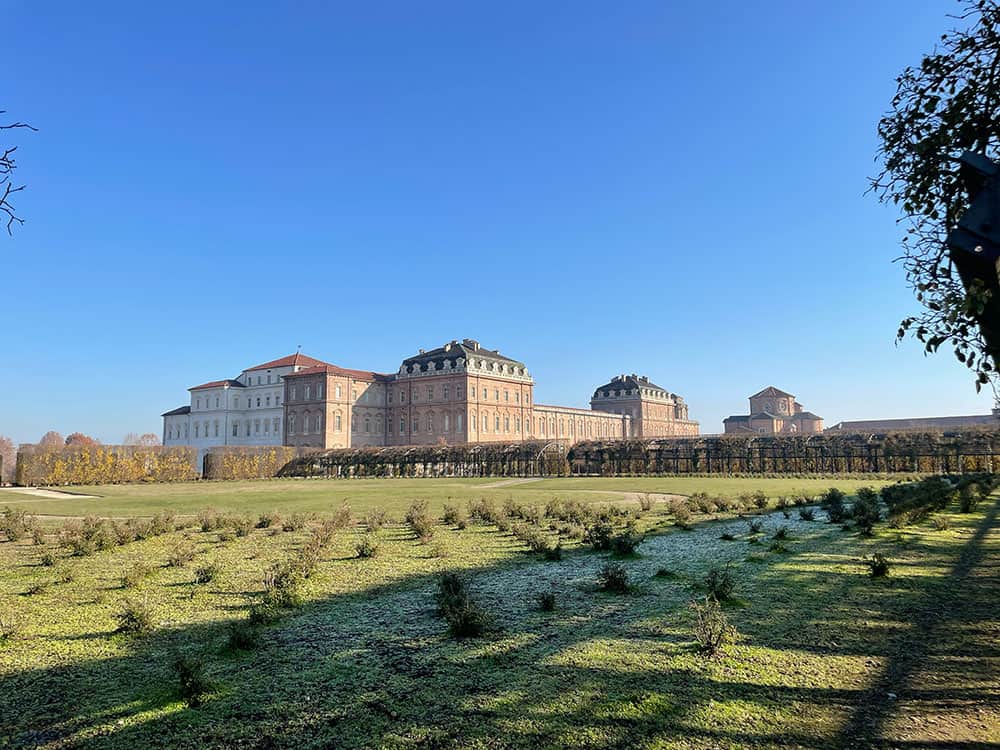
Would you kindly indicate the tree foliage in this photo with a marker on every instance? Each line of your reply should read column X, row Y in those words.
column 947, row 105
column 8, row 455
column 51, row 439
column 78, row 438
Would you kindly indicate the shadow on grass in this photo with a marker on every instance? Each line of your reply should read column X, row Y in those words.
column 375, row 668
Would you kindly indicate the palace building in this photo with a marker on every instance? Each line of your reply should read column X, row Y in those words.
column 774, row 412
column 458, row 393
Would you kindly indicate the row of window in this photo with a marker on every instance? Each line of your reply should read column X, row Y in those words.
column 261, row 402
column 212, row 429
column 308, row 392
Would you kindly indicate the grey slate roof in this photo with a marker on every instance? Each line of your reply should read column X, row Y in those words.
column 629, row 382
column 916, row 423
column 466, row 349
column 178, row 410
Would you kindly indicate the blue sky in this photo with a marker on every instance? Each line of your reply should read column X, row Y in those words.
column 673, row 189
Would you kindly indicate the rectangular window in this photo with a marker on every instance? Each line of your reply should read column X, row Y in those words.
column 215, row 428
column 277, row 399
column 486, row 423
column 458, row 423
column 276, row 422
column 267, row 401
column 216, row 402
column 337, row 391
column 402, row 397
column 402, row 425
column 415, row 427
column 319, row 391
column 517, row 397
column 484, row 394
column 447, row 421
column 446, row 391
column 248, row 428
column 430, row 423
column 496, row 423
column 256, row 427
column 292, row 394
column 196, row 429
column 308, row 393
column 236, row 429
column 496, row 394
column 430, row 393
column 458, row 391
column 267, row 426
column 506, row 395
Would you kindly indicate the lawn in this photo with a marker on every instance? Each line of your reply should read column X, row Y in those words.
column 825, row 657
column 392, row 495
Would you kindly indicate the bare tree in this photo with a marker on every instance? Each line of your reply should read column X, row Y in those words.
column 146, row 439
column 51, row 439
column 8, row 456
column 7, row 167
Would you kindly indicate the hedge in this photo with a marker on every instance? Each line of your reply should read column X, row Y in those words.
column 103, row 464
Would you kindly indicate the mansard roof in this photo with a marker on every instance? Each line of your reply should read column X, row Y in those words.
column 219, row 383
column 467, row 349
column 772, row 391
column 628, row 382
column 343, row 371
column 292, row 360
column 177, row 411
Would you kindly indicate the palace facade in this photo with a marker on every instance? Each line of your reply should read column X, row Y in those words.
column 458, row 393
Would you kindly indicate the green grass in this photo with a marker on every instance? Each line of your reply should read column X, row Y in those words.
column 391, row 495
column 367, row 663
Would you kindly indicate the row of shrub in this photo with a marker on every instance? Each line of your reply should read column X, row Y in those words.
column 103, row 464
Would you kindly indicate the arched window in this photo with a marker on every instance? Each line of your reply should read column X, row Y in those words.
column 291, row 424
column 430, row 423
column 368, row 424
column 447, row 420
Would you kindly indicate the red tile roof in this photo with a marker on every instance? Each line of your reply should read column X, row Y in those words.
column 292, row 360
column 334, row 370
column 217, row 383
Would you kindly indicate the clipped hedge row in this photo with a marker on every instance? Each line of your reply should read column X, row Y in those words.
column 103, row 464
column 254, row 462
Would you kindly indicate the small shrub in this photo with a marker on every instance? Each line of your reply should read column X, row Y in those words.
column 283, row 584
column 645, row 502
column 66, row 577
column 242, row 526
column 323, row 534
column 163, row 522
column 866, row 511
column 227, row 535
column 343, row 517
column 727, row 537
column 681, row 513
column 759, row 499
column 461, row 524
column 209, row 519
column 778, row 547
column 968, row 498
column 243, row 635
column 206, row 573
column 367, row 546
column 712, row 629
column 833, row 503
column 135, row 618
column 483, row 511
column 720, row 582
column 613, row 577
column 181, row 555
column 375, row 520
column 37, row 536
column 600, row 535
column 14, row 523
column 452, row 515
column 419, row 519
column 503, row 523
column 878, row 565
column 439, row 550
column 942, row 523
column 782, row 503
column 295, row 522
column 48, row 560
column 754, row 526
column 190, row 671
column 663, row 573
column 135, row 575
column 267, row 520
column 261, row 614
column 553, row 553
column 627, row 542
column 546, row 601
column 466, row 619
column 807, row 514
column 781, row 533
column 9, row 627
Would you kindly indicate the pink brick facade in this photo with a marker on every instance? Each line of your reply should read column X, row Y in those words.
column 457, row 393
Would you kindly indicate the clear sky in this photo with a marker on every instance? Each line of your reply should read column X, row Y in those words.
column 669, row 188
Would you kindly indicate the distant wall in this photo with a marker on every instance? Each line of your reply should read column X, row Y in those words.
column 103, row 464
column 929, row 452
